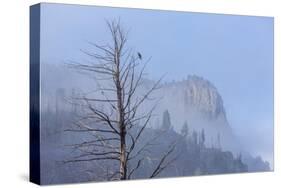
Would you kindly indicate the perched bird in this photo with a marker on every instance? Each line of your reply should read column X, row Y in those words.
column 139, row 55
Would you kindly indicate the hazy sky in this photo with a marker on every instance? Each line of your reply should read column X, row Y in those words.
column 235, row 53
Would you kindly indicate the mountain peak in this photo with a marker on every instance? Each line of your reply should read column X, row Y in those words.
column 199, row 94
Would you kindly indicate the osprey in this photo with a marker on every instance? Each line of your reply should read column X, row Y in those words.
column 139, row 55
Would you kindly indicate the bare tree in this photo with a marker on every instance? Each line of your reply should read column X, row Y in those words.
column 113, row 113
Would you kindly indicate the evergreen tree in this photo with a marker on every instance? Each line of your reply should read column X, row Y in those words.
column 185, row 129
column 166, row 122
column 195, row 137
column 202, row 138
column 219, row 141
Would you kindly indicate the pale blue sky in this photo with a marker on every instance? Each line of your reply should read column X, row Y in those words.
column 234, row 52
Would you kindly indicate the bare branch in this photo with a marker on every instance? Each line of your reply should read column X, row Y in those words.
column 161, row 166
column 91, row 159
column 136, row 167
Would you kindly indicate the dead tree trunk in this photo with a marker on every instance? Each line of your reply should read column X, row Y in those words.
column 121, row 115
column 116, row 64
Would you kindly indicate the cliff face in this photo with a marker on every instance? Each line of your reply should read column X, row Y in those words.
column 196, row 94
column 200, row 94
column 197, row 102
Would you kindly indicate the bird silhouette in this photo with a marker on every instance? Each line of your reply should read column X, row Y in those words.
column 140, row 56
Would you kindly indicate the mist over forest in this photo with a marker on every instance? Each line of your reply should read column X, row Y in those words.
column 189, row 113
